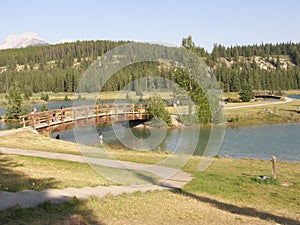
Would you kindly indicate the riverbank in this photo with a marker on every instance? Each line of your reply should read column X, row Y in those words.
column 228, row 192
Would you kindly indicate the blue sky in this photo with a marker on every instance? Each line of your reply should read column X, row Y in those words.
column 231, row 22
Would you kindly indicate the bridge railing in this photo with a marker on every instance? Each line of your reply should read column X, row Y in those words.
column 268, row 93
column 57, row 116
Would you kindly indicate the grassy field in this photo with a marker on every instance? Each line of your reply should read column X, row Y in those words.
column 138, row 208
column 103, row 95
column 33, row 173
column 32, row 101
column 228, row 192
column 35, row 99
column 236, row 181
column 224, row 194
column 32, row 141
column 274, row 113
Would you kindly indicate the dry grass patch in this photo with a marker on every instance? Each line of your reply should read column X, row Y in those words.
column 162, row 208
column 138, row 208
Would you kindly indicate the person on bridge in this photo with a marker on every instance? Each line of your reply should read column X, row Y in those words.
column 54, row 116
column 62, row 108
column 33, row 111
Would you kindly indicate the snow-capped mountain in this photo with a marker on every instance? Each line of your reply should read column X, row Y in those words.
column 22, row 40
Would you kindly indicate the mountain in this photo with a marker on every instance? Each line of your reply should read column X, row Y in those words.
column 22, row 40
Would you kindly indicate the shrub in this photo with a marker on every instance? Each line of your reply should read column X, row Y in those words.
column 44, row 108
column 67, row 98
column 44, row 96
column 158, row 113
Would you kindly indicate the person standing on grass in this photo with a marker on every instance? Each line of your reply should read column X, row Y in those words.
column 101, row 137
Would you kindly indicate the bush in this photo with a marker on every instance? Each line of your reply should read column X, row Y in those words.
column 157, row 112
column 189, row 120
column 157, row 122
column 25, row 110
column 67, row 98
column 233, row 119
column 27, row 94
column 44, row 108
column 44, row 96
column 79, row 98
column 232, row 100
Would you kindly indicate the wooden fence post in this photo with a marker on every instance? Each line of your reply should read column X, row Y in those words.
column 273, row 160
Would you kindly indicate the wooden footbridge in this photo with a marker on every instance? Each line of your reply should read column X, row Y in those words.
column 267, row 95
column 64, row 119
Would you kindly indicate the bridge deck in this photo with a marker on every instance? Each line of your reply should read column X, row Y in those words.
column 267, row 94
column 57, row 120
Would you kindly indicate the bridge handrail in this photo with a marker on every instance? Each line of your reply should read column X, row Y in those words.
column 72, row 113
column 268, row 93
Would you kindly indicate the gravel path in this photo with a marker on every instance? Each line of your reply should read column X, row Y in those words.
column 171, row 178
column 286, row 100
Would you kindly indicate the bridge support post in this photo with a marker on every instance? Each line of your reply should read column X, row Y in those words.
column 97, row 112
column 23, row 121
column 33, row 121
column 49, row 123
column 86, row 116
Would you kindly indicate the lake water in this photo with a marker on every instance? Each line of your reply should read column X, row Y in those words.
column 261, row 142
column 294, row 96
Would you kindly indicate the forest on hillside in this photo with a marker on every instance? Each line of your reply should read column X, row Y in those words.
column 59, row 68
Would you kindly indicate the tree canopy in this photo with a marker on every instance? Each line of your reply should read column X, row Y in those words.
column 59, row 68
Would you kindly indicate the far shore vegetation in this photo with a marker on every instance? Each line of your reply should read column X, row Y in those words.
column 262, row 112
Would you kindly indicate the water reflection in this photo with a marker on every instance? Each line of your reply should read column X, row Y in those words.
column 260, row 142
column 186, row 140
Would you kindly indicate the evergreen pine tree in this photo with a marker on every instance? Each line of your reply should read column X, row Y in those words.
column 246, row 93
column 15, row 104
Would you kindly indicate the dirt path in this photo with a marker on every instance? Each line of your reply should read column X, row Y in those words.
column 171, row 178
column 286, row 100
